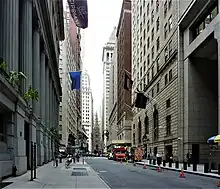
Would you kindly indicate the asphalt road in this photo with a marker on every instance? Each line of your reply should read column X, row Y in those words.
column 117, row 175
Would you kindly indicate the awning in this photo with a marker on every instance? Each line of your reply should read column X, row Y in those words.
column 79, row 12
column 214, row 139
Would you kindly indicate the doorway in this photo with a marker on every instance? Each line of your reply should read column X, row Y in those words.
column 27, row 142
column 168, row 152
column 195, row 153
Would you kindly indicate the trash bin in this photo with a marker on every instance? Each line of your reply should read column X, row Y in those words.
column 177, row 165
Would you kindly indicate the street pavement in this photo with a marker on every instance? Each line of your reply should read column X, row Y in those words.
column 79, row 175
column 119, row 175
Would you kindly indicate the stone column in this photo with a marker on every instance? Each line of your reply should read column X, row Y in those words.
column 9, row 33
column 217, row 37
column 36, row 66
column 46, row 105
column 26, row 42
column 50, row 114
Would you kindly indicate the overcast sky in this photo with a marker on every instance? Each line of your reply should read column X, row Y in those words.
column 103, row 16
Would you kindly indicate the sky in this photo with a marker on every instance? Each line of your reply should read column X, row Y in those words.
column 103, row 15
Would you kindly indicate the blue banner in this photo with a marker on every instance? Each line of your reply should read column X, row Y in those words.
column 76, row 80
column 79, row 12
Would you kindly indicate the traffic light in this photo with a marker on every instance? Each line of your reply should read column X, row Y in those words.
column 141, row 101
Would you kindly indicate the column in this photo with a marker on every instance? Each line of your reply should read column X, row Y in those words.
column 217, row 36
column 49, row 112
column 46, row 111
column 36, row 66
column 9, row 33
column 42, row 86
column 26, row 42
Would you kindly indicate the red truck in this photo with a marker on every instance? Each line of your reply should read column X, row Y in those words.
column 119, row 153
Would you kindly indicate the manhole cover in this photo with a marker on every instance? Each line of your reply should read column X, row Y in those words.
column 79, row 168
column 79, row 174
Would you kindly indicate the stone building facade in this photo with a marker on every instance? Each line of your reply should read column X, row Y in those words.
column 29, row 43
column 154, row 71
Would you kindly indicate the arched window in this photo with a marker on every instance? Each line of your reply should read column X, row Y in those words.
column 139, row 131
column 156, row 125
column 146, row 124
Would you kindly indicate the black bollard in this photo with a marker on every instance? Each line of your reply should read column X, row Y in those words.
column 14, row 170
column 194, row 167
column 185, row 165
column 218, row 169
column 35, row 161
column 32, row 150
column 177, row 165
column 150, row 162
column 60, row 159
column 206, row 167
column 154, row 161
column 170, row 163
column 164, row 163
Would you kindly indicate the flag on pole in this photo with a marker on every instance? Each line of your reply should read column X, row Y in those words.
column 76, row 80
column 79, row 12
column 128, row 81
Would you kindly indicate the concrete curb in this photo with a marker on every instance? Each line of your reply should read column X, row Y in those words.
column 178, row 170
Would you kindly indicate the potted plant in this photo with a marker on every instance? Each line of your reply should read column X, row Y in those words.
column 3, row 67
column 15, row 78
column 31, row 94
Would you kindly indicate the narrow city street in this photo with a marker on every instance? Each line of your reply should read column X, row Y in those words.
column 118, row 175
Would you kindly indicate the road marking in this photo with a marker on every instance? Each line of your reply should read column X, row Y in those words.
column 102, row 171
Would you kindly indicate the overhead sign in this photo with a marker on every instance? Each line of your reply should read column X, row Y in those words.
column 79, row 12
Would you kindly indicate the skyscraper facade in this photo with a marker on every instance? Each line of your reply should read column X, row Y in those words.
column 107, row 55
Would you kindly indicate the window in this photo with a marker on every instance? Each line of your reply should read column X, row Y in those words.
column 170, row 75
column 152, row 92
column 146, row 125
column 152, row 34
column 152, row 53
column 166, row 79
column 144, row 18
column 158, row 24
column 133, row 126
column 158, row 43
column 168, row 103
column 139, row 131
column 168, row 125
column 152, row 16
column 152, row 71
column 144, row 49
column 165, row 9
column 140, row 10
column 148, row 25
column 166, row 54
column 157, row 63
column 170, row 23
column 133, row 138
column 165, row 31
column 144, row 66
column 148, row 60
column 170, row 48
column 144, row 34
column 157, row 5
column 148, row 78
column 141, row 27
column 148, row 42
column 170, row 4
column 155, row 125
column 158, row 87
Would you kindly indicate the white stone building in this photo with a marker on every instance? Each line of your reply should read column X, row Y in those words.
column 112, row 104
column 107, row 55
column 87, row 105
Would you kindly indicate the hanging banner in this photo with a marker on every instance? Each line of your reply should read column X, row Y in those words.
column 79, row 12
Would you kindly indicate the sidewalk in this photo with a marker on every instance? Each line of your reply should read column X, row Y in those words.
column 78, row 176
column 200, row 169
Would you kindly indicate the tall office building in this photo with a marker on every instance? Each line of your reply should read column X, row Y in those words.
column 29, row 43
column 87, row 105
column 124, row 112
column 107, row 55
column 155, row 71
column 68, row 107
column 199, row 81
column 112, row 104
